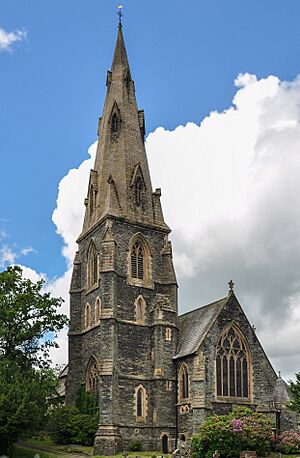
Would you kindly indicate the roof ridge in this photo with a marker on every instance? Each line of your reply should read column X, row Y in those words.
column 203, row 306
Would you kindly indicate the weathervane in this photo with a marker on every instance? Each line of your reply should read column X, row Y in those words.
column 231, row 286
column 119, row 13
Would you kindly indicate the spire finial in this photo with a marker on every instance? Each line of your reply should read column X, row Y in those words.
column 120, row 14
column 231, row 286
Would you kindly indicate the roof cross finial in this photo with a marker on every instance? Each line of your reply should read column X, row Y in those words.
column 120, row 14
column 231, row 286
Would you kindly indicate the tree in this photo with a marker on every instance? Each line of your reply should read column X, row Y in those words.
column 295, row 392
column 29, row 322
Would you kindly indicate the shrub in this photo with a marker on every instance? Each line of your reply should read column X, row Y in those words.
column 68, row 426
column 136, row 446
column 289, row 442
column 230, row 434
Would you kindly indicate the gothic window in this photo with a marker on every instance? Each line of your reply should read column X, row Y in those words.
column 139, row 309
column 97, row 310
column 168, row 334
column 138, row 189
column 92, row 266
column 137, row 261
column 184, row 389
column 140, row 403
column 92, row 377
column 232, row 365
column 87, row 316
column 114, row 124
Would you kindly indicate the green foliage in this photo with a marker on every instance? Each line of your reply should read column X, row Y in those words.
column 136, row 446
column 28, row 320
column 295, row 392
column 27, row 384
column 233, row 433
column 86, row 403
column 288, row 442
column 68, row 426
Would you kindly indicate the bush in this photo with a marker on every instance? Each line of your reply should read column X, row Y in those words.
column 136, row 446
column 288, row 442
column 68, row 426
column 230, row 434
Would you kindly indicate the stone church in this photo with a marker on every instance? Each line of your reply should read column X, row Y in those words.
column 157, row 375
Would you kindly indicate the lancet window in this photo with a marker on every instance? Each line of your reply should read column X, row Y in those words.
column 140, row 403
column 114, row 124
column 92, row 266
column 184, row 388
column 232, row 365
column 139, row 309
column 138, row 189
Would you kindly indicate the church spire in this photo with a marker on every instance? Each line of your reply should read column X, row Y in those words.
column 121, row 174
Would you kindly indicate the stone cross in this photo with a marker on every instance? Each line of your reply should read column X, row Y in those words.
column 231, row 286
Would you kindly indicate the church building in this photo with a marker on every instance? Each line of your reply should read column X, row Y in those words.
column 157, row 375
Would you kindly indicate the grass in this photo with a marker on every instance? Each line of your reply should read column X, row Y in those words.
column 20, row 452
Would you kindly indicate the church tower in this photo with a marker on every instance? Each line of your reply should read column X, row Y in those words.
column 123, row 297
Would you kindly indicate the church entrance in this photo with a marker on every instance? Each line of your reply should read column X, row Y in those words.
column 165, row 443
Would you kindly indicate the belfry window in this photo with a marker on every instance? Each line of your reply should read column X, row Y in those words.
column 184, row 389
column 137, row 261
column 232, row 365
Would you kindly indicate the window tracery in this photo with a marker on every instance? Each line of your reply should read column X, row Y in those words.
column 137, row 261
column 232, row 365
column 92, row 377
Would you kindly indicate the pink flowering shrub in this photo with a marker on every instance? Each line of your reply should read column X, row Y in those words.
column 230, row 434
column 289, row 442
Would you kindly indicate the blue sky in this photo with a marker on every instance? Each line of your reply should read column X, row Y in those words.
column 184, row 57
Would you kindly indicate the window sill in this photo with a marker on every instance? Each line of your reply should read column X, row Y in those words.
column 231, row 400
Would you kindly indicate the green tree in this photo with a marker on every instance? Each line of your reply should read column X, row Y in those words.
column 295, row 392
column 29, row 322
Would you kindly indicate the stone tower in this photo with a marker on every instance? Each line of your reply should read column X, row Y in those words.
column 123, row 296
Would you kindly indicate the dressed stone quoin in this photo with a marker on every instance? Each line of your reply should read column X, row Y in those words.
column 156, row 375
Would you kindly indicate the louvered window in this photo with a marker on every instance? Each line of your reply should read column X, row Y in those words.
column 232, row 365
column 137, row 261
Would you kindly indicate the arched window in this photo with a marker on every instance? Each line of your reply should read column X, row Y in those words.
column 92, row 377
column 232, row 365
column 184, row 389
column 168, row 334
column 140, row 403
column 139, row 309
column 114, row 124
column 92, row 266
column 137, row 261
column 97, row 310
column 138, row 188
column 87, row 316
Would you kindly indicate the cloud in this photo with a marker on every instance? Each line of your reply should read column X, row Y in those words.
column 8, row 39
column 9, row 254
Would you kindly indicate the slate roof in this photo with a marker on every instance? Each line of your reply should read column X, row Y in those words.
column 64, row 372
column 194, row 325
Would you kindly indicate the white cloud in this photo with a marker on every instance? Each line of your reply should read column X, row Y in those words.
column 8, row 39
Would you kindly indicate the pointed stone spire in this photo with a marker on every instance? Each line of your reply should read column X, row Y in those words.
column 123, row 187
column 120, row 59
